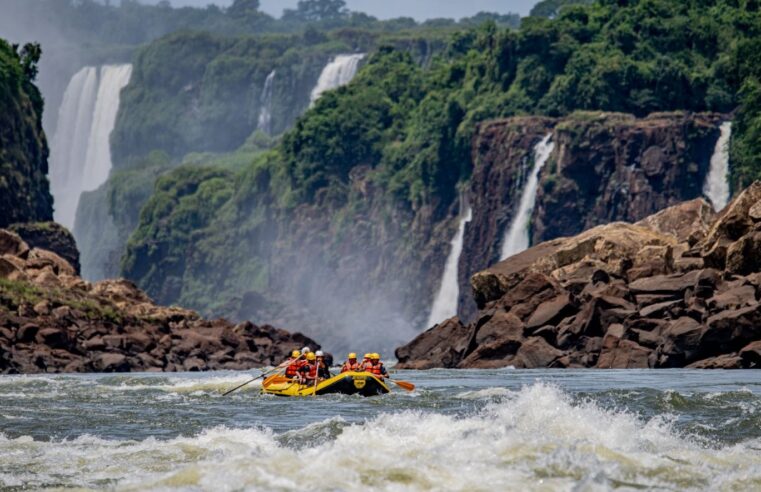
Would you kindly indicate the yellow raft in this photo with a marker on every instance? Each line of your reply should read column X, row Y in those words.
column 346, row 383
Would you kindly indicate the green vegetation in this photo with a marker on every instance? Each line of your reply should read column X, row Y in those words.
column 404, row 131
column 24, row 193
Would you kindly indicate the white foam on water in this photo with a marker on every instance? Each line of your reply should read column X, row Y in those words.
column 516, row 237
column 716, row 185
column 445, row 303
column 536, row 438
column 339, row 71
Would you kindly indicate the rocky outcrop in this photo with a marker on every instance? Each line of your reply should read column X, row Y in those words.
column 52, row 237
column 24, row 188
column 604, row 167
column 679, row 288
column 53, row 321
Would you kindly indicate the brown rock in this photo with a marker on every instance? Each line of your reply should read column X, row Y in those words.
column 536, row 352
column 552, row 311
column 194, row 364
column 40, row 258
column 726, row 361
column 53, row 337
column 681, row 341
column 744, row 255
column 27, row 333
column 440, row 346
column 736, row 297
column 112, row 363
column 12, row 244
column 682, row 220
column 751, row 354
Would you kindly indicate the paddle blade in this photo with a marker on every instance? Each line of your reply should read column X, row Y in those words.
column 404, row 384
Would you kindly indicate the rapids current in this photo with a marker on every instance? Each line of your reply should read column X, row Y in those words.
column 460, row 430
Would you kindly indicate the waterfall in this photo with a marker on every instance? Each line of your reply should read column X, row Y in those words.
column 445, row 304
column 517, row 236
column 338, row 72
column 716, row 186
column 265, row 109
column 80, row 157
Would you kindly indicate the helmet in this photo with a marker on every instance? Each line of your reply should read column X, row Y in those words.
column 352, row 355
column 375, row 356
column 306, row 349
column 367, row 356
column 311, row 356
column 320, row 353
column 295, row 353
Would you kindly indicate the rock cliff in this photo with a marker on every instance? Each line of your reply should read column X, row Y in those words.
column 24, row 189
column 53, row 321
column 679, row 288
column 604, row 167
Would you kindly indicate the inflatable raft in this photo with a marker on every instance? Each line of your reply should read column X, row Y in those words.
column 346, row 383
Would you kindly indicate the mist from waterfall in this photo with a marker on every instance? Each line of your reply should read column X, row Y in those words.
column 336, row 73
column 716, row 185
column 445, row 303
column 265, row 109
column 517, row 236
column 80, row 154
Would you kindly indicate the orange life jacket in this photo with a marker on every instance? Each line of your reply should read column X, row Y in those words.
column 309, row 371
column 376, row 369
column 348, row 366
column 293, row 367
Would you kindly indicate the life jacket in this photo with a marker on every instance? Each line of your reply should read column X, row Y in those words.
column 376, row 369
column 309, row 370
column 348, row 366
column 365, row 366
column 293, row 367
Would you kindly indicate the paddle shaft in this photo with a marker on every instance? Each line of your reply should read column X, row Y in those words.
column 284, row 364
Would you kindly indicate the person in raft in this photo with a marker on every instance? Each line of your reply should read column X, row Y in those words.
column 351, row 363
column 365, row 362
column 376, row 367
column 313, row 369
column 294, row 363
column 322, row 365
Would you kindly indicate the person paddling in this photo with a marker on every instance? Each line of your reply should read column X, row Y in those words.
column 351, row 363
column 376, row 366
column 294, row 363
column 308, row 373
column 323, row 372
column 364, row 366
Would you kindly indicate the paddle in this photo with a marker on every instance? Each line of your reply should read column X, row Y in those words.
column 402, row 384
column 284, row 364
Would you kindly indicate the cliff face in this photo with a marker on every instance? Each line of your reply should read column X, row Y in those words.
column 604, row 167
column 53, row 321
column 680, row 288
column 24, row 188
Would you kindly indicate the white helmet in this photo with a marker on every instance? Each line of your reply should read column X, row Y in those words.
column 306, row 350
column 319, row 353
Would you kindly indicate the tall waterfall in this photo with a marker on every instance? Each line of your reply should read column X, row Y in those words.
column 716, row 186
column 338, row 72
column 265, row 108
column 445, row 304
column 517, row 236
column 80, row 157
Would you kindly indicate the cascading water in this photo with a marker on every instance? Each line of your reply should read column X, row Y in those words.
column 69, row 144
column 265, row 100
column 80, row 153
column 445, row 304
column 338, row 72
column 716, row 186
column 517, row 236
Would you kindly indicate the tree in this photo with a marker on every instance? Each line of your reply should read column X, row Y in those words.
column 30, row 57
column 244, row 8
column 317, row 10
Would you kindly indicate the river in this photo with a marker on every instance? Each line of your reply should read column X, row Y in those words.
column 460, row 430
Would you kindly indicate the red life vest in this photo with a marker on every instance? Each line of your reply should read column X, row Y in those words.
column 348, row 366
column 376, row 369
column 309, row 370
column 293, row 367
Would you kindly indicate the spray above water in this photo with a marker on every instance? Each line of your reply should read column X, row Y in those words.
column 517, row 236
column 716, row 186
column 80, row 158
column 265, row 100
column 445, row 304
column 338, row 72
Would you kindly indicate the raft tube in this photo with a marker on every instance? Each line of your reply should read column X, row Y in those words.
column 346, row 383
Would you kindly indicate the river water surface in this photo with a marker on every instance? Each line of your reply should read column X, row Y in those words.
column 460, row 430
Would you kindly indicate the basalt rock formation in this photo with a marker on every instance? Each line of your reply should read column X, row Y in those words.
column 604, row 167
column 53, row 321
column 679, row 288
column 52, row 237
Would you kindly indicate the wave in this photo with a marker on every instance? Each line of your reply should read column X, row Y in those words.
column 537, row 437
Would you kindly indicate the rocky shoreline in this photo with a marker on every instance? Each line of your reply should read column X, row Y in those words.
column 53, row 321
column 680, row 288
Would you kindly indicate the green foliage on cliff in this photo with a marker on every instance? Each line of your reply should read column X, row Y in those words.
column 406, row 130
column 24, row 189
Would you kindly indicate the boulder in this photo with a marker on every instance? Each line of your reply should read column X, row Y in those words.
column 536, row 352
column 751, row 354
column 552, row 311
column 40, row 258
column 726, row 361
column 440, row 346
column 743, row 257
column 112, row 363
column 12, row 244
column 52, row 237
